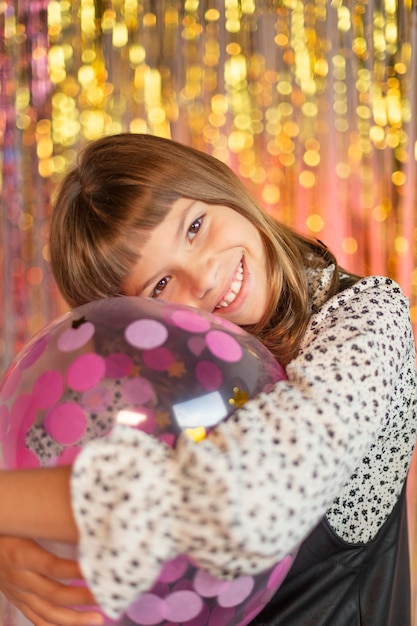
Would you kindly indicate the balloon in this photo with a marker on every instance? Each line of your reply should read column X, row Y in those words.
column 161, row 368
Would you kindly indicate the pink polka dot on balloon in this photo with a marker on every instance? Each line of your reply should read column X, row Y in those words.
column 190, row 320
column 26, row 459
column 236, row 591
column 146, row 334
column 74, row 338
column 159, row 359
column 174, row 569
column 223, row 346
column 28, row 420
column 147, row 610
column 207, row 585
column 279, row 572
column 182, row 606
column 4, row 421
column 118, row 365
column 8, row 456
column 196, row 344
column 22, row 413
column 66, row 423
column 34, row 351
column 208, row 375
column 137, row 391
column 48, row 388
column 86, row 371
column 200, row 619
column 96, row 399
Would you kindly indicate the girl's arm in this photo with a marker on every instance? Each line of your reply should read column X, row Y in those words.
column 36, row 503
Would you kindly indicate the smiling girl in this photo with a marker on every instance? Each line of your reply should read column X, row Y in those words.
column 206, row 256
column 321, row 460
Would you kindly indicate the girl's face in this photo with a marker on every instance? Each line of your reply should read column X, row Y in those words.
column 206, row 256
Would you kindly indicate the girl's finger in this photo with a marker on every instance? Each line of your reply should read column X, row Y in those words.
column 64, row 594
column 63, row 569
column 28, row 554
column 42, row 613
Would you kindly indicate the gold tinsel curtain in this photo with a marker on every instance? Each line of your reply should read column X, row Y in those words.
column 312, row 103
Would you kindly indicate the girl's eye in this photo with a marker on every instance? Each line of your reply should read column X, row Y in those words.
column 194, row 228
column 160, row 287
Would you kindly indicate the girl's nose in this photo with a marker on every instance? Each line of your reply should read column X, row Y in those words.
column 203, row 278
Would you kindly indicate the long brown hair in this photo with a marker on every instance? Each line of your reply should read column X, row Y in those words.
column 124, row 185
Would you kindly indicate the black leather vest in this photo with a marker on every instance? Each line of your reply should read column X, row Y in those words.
column 333, row 583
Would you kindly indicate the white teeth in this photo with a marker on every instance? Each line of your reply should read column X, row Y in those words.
column 233, row 290
column 229, row 297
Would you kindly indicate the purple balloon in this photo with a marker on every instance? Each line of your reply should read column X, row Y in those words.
column 158, row 367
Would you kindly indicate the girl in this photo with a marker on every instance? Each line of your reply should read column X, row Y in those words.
column 321, row 460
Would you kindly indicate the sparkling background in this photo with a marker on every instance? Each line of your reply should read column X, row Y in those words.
column 313, row 104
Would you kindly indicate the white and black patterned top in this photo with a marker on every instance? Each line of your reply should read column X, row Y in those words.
column 337, row 437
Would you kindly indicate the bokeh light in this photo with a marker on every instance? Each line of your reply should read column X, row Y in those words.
column 287, row 93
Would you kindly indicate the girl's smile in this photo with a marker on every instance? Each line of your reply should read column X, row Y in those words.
column 206, row 256
column 234, row 289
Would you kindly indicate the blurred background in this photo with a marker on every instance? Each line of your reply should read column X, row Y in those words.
column 312, row 103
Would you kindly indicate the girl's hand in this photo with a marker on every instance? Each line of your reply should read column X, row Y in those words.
column 27, row 573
